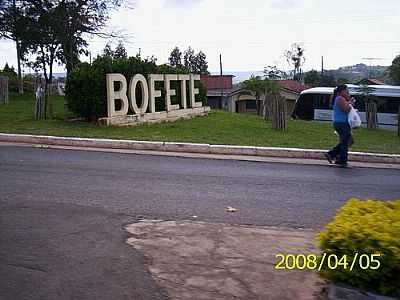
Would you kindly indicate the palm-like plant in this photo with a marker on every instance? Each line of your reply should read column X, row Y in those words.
column 295, row 57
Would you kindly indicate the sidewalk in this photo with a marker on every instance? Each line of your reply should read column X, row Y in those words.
column 247, row 153
column 198, row 260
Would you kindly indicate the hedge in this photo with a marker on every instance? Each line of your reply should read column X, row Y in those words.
column 365, row 227
column 86, row 92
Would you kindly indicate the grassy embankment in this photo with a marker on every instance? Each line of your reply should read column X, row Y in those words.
column 218, row 128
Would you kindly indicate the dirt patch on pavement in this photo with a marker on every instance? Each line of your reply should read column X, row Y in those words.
column 198, row 260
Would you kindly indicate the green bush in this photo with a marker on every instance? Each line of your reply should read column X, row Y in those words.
column 86, row 91
column 365, row 227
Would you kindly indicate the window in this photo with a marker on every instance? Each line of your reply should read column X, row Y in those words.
column 321, row 101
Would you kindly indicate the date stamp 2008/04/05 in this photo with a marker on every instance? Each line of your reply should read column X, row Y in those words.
column 331, row 261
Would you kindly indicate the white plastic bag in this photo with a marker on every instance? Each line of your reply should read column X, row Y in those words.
column 354, row 118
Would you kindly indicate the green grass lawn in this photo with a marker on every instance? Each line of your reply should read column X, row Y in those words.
column 218, row 128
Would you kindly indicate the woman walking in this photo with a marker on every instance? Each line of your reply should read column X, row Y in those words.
column 341, row 108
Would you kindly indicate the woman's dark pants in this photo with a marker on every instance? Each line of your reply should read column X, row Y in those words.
column 341, row 149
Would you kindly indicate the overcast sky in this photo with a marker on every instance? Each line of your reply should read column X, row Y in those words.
column 255, row 33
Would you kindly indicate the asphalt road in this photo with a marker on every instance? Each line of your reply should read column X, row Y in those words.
column 170, row 188
column 62, row 212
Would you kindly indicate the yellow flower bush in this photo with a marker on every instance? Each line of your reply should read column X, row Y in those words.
column 365, row 227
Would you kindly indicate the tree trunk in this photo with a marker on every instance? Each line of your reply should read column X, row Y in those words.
column 39, row 107
column 398, row 123
column 267, row 106
column 3, row 90
column 50, row 91
column 371, row 114
column 279, row 113
column 258, row 106
column 20, row 79
column 46, row 84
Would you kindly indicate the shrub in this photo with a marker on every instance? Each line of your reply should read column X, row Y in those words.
column 365, row 227
column 86, row 91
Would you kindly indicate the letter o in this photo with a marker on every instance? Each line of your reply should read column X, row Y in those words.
column 139, row 78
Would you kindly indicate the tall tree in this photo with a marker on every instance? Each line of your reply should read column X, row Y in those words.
column 175, row 58
column 12, row 26
column 8, row 71
column 77, row 19
column 189, row 59
column 195, row 63
column 295, row 57
column 200, row 63
column 107, row 51
column 394, row 70
column 120, row 51
column 42, row 42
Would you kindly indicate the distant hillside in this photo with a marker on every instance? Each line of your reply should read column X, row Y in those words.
column 360, row 71
column 350, row 73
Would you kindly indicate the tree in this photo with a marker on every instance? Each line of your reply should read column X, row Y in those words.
column 195, row 63
column 394, row 70
column 8, row 71
column 75, row 20
column 328, row 80
column 12, row 25
column 295, row 57
column 200, row 63
column 272, row 73
column 257, row 85
column 189, row 59
column 120, row 51
column 175, row 58
column 312, row 77
column 107, row 51
column 370, row 105
column 42, row 42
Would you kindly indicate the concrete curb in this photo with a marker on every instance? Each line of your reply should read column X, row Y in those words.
column 193, row 148
column 338, row 292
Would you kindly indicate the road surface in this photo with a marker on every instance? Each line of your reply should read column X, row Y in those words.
column 62, row 212
column 179, row 188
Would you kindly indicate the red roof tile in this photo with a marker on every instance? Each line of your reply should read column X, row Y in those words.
column 217, row 81
column 293, row 85
column 371, row 81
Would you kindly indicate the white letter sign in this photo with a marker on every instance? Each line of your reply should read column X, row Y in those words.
column 153, row 93
column 120, row 94
column 146, row 112
column 169, row 92
column 139, row 78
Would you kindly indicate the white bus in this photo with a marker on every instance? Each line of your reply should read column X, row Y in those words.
column 316, row 104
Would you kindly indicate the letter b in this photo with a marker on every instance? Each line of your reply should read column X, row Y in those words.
column 120, row 94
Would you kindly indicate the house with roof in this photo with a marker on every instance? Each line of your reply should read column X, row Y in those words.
column 223, row 94
column 290, row 90
column 370, row 81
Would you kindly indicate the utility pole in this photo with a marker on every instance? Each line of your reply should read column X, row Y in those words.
column 322, row 66
column 220, row 74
